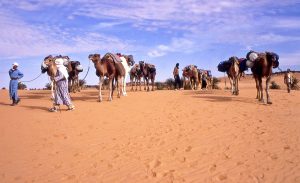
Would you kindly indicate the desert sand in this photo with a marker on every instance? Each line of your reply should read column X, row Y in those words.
column 161, row 136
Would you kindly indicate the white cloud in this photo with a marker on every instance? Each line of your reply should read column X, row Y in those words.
column 287, row 23
column 18, row 38
column 287, row 59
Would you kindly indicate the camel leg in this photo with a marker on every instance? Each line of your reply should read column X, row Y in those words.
column 140, row 84
column 237, row 86
column 52, row 89
column 78, row 85
column 110, row 88
column 267, row 90
column 231, row 84
column 124, row 85
column 261, row 95
column 152, row 81
column 145, row 87
column 257, row 88
column 147, row 84
column 101, row 79
column 119, row 86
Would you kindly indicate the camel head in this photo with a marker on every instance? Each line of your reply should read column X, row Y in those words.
column 95, row 58
column 142, row 63
column 234, row 60
column 129, row 59
column 49, row 66
column 273, row 58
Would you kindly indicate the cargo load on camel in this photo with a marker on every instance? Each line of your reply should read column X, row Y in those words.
column 224, row 66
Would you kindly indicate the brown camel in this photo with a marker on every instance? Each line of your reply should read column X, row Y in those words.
column 149, row 73
column 205, row 79
column 136, row 75
column 262, row 67
column 190, row 74
column 49, row 66
column 74, row 68
column 233, row 74
column 107, row 67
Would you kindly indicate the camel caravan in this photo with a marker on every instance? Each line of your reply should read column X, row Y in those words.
column 193, row 77
column 261, row 65
column 116, row 68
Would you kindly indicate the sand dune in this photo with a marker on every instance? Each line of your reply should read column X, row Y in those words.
column 161, row 136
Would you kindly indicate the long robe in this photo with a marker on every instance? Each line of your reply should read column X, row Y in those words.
column 15, row 75
column 62, row 95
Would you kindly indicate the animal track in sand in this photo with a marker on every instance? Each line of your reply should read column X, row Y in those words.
column 213, row 168
column 188, row 149
column 222, row 177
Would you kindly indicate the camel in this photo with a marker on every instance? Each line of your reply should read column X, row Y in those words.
column 190, row 73
column 107, row 67
column 149, row 72
column 74, row 68
column 49, row 66
column 127, row 61
column 262, row 67
column 136, row 76
column 233, row 74
column 204, row 76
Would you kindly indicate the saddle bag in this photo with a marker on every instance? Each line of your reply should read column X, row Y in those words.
column 224, row 66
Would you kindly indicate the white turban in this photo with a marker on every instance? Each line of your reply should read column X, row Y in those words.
column 60, row 66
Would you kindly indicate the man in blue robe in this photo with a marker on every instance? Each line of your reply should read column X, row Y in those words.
column 15, row 75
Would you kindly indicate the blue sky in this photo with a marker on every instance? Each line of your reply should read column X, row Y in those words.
column 200, row 32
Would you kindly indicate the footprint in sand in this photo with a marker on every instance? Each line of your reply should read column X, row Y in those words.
column 213, row 168
column 152, row 165
column 181, row 159
column 286, row 147
column 222, row 177
column 188, row 149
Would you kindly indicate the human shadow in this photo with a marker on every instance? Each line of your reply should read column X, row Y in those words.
column 5, row 104
column 35, row 107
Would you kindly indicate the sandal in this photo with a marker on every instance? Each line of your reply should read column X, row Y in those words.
column 71, row 108
column 53, row 109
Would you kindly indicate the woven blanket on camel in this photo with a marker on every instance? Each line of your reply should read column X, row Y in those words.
column 115, row 57
column 224, row 66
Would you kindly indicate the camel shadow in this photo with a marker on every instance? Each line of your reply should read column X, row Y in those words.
column 226, row 99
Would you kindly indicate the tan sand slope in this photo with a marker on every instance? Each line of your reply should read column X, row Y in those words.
column 161, row 136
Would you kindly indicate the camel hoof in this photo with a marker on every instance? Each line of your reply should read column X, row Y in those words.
column 269, row 102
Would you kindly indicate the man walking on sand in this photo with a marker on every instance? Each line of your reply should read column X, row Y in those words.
column 288, row 80
column 14, row 75
column 176, row 77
